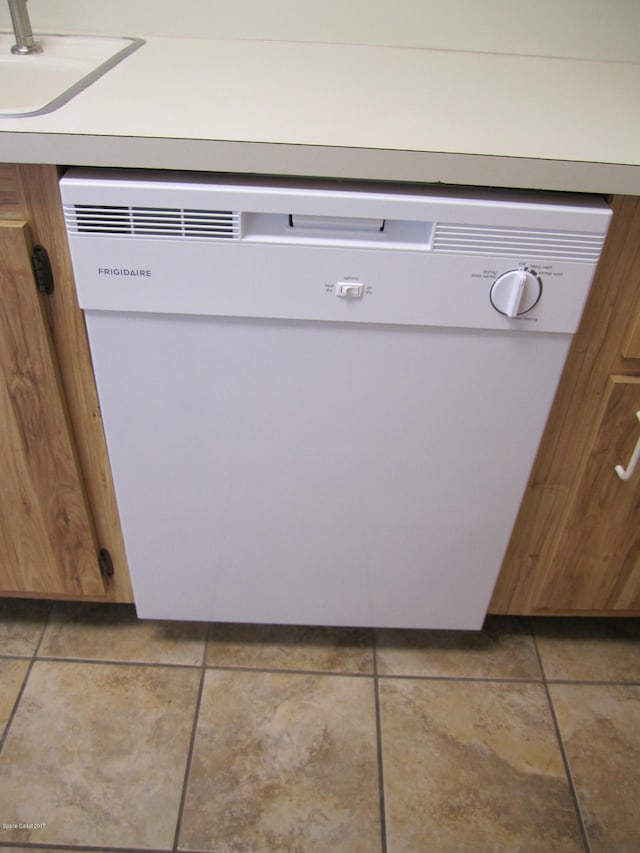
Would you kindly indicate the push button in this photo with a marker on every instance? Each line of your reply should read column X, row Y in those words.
column 349, row 289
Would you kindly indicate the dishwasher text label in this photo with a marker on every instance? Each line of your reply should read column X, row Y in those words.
column 122, row 271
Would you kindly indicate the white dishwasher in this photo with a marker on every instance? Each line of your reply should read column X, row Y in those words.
column 322, row 401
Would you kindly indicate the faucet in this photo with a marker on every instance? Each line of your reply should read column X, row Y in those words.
column 25, row 42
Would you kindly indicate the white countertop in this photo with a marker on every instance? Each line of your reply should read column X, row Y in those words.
column 396, row 113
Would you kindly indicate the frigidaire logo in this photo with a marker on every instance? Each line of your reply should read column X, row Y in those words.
column 122, row 271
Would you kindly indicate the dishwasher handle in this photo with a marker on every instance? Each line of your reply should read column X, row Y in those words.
column 331, row 224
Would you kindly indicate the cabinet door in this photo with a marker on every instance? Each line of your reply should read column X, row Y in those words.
column 47, row 545
column 597, row 563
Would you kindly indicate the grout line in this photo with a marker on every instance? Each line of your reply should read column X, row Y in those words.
column 82, row 848
column 167, row 664
column 279, row 671
column 326, row 672
column 14, row 710
column 586, row 683
column 478, row 678
column 23, row 686
column 192, row 741
column 376, row 692
column 111, row 662
column 563, row 755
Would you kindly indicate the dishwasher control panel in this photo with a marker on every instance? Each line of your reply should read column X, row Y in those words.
column 203, row 244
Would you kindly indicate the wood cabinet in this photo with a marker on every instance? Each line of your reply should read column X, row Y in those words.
column 46, row 535
column 576, row 544
column 598, row 554
column 57, row 509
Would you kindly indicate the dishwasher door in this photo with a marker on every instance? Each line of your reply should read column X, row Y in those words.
column 318, row 473
column 322, row 403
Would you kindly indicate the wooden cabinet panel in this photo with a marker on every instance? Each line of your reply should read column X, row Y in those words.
column 40, row 205
column 9, row 200
column 550, row 535
column 47, row 544
column 632, row 348
column 597, row 563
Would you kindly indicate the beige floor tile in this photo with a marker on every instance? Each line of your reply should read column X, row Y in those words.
column 284, row 763
column 504, row 649
column 341, row 650
column 97, row 753
column 473, row 766
column 112, row 632
column 21, row 624
column 589, row 649
column 12, row 673
column 600, row 729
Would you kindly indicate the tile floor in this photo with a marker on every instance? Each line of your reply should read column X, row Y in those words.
column 127, row 735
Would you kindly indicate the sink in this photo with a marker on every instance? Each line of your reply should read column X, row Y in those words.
column 42, row 82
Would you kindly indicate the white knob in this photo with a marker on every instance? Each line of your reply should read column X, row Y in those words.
column 515, row 292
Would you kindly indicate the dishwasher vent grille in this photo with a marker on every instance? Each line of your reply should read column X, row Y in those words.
column 172, row 223
column 454, row 239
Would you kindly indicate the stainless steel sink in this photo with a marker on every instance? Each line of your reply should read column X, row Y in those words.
column 39, row 83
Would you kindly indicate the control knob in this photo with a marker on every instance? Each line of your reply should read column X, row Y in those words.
column 515, row 292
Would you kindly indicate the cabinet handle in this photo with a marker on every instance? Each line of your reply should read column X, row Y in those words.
column 627, row 473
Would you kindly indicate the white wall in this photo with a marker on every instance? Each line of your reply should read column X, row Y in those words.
column 597, row 29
